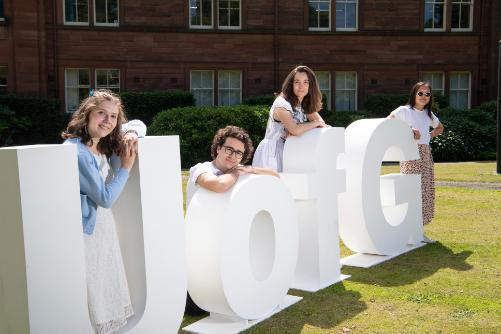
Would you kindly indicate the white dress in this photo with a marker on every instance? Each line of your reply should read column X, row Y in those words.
column 269, row 153
column 107, row 289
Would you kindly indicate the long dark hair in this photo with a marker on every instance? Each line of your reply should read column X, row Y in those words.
column 414, row 91
column 312, row 102
column 77, row 127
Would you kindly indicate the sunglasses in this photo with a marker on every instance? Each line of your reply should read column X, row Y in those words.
column 425, row 94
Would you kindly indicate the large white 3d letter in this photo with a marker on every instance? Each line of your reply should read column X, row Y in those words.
column 42, row 263
column 241, row 248
column 42, row 271
column 151, row 230
column 310, row 162
column 379, row 215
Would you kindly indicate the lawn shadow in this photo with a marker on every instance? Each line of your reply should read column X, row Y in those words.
column 411, row 267
column 323, row 309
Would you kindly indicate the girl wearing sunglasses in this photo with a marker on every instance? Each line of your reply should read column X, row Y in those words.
column 417, row 113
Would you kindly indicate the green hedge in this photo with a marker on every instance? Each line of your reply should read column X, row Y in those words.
column 261, row 100
column 468, row 135
column 145, row 105
column 196, row 127
column 34, row 120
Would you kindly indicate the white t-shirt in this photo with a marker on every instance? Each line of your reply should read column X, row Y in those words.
column 195, row 172
column 417, row 119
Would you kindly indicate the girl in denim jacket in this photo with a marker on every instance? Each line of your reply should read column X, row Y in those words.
column 105, row 158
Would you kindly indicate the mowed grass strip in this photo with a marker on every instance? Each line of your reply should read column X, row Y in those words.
column 452, row 286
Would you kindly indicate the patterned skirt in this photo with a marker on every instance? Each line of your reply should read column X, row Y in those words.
column 423, row 166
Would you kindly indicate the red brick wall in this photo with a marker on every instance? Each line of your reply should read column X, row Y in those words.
column 155, row 48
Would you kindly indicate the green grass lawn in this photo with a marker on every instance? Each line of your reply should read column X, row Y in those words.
column 452, row 286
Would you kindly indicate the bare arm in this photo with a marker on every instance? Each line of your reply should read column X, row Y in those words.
column 316, row 117
column 415, row 132
column 437, row 131
column 216, row 183
column 284, row 116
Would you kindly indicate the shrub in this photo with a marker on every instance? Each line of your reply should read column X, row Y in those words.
column 468, row 135
column 342, row 118
column 10, row 124
column 261, row 100
column 145, row 105
column 381, row 105
column 196, row 127
column 46, row 120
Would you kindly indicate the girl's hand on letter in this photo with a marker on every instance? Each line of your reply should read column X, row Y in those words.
column 128, row 155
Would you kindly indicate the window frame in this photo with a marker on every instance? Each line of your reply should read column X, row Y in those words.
column 219, row 89
column 356, row 2
column 100, row 24
column 345, row 89
column 329, row 81
column 444, row 15
column 78, row 86
column 212, row 88
column 471, row 4
column 73, row 23
column 239, row 27
column 460, row 89
column 108, row 86
column 2, row 86
column 211, row 16
column 432, row 73
column 329, row 28
column 2, row 11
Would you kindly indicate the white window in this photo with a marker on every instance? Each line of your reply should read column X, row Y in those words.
column 229, row 14
column 77, row 86
column 462, row 15
column 346, row 91
column 76, row 12
column 324, row 82
column 460, row 90
column 319, row 15
column 202, row 87
column 201, row 14
column 106, row 12
column 108, row 79
column 3, row 78
column 229, row 88
column 436, row 79
column 346, row 15
column 434, row 15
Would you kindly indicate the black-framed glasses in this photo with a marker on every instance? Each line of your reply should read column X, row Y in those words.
column 428, row 94
column 231, row 151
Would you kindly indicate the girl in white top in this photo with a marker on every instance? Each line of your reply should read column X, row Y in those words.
column 417, row 113
column 294, row 111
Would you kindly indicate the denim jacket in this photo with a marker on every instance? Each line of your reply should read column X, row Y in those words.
column 94, row 191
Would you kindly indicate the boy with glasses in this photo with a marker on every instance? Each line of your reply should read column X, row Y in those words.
column 231, row 148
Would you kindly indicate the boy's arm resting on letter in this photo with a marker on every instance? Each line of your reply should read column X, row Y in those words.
column 92, row 185
column 216, row 183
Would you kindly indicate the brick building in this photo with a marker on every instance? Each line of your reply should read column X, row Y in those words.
column 225, row 50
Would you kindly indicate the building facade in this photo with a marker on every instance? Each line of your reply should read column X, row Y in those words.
column 226, row 50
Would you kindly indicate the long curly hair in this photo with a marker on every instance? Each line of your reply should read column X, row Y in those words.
column 312, row 102
column 77, row 127
column 413, row 93
column 234, row 132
